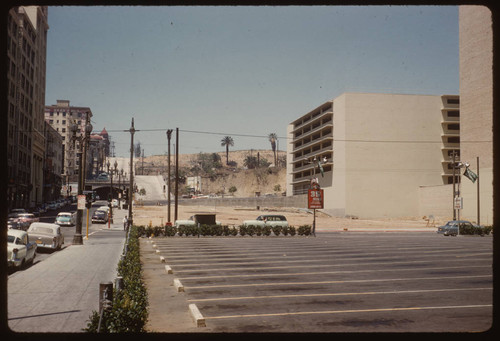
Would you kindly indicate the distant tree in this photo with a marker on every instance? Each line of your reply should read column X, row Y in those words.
column 137, row 149
column 273, row 138
column 252, row 162
column 227, row 141
column 232, row 190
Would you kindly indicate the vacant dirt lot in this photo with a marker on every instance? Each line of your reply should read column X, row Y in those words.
column 157, row 215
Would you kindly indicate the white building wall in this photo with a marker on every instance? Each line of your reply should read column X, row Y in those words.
column 392, row 147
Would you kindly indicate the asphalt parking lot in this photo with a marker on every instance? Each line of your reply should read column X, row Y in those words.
column 335, row 282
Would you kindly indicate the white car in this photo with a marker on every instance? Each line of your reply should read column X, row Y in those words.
column 66, row 218
column 114, row 202
column 268, row 220
column 46, row 235
column 104, row 208
column 20, row 251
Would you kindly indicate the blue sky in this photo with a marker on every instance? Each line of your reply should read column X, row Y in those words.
column 239, row 70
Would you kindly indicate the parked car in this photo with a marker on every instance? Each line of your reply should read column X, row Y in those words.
column 46, row 235
column 18, row 211
column 51, row 206
column 103, row 208
column 114, row 202
column 13, row 224
column 267, row 220
column 27, row 219
column 100, row 216
column 20, row 251
column 451, row 227
column 65, row 218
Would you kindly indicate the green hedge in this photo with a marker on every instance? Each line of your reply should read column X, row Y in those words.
column 222, row 230
column 473, row 230
column 129, row 312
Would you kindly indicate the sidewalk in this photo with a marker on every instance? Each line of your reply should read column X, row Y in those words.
column 59, row 293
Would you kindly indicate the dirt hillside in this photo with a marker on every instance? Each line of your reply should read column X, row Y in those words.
column 271, row 180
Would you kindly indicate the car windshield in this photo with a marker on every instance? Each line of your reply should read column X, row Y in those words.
column 99, row 213
column 11, row 239
column 41, row 229
column 63, row 218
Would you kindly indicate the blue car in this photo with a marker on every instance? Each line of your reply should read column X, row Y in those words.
column 451, row 227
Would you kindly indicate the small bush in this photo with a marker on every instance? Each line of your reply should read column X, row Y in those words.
column 276, row 230
column 243, row 230
column 266, row 230
column 304, row 230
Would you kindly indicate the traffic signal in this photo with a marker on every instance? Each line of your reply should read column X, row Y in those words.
column 88, row 200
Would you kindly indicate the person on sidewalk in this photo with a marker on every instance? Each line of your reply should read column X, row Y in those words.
column 125, row 221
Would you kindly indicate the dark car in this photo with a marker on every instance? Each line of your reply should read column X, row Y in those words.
column 451, row 227
column 100, row 217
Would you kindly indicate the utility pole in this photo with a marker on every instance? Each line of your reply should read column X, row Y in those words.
column 176, row 172
column 478, row 201
column 454, row 191
column 131, row 174
column 169, row 136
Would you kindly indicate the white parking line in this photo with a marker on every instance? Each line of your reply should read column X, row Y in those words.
column 331, row 282
column 392, row 292
column 308, row 265
column 348, row 311
column 334, row 272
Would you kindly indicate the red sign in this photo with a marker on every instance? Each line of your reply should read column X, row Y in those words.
column 315, row 198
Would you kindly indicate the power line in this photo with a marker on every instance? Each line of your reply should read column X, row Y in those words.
column 266, row 136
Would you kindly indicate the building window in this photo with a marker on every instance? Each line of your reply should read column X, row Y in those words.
column 453, row 101
column 454, row 113
column 453, row 126
column 454, row 139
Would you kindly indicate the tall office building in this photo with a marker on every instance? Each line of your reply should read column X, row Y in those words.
column 64, row 118
column 27, row 28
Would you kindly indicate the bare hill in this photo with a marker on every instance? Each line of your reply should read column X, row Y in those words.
column 271, row 180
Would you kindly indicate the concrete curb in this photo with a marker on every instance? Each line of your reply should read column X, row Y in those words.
column 178, row 285
column 198, row 318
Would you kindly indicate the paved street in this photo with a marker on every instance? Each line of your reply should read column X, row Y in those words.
column 336, row 282
column 59, row 292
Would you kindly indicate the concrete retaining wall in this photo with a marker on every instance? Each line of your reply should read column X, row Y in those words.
column 291, row 201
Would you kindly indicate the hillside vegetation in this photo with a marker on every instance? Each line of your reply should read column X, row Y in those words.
column 242, row 177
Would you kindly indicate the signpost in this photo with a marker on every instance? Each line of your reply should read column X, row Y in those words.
column 81, row 202
column 315, row 200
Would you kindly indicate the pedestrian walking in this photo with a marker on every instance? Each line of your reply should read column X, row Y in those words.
column 125, row 221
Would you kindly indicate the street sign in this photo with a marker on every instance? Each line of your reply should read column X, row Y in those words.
column 458, row 203
column 315, row 199
column 81, row 202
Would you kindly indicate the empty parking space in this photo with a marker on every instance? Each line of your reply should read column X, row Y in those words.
column 335, row 282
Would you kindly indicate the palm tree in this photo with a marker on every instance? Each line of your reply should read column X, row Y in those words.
column 227, row 141
column 273, row 138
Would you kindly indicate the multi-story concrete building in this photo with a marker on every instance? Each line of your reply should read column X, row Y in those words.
column 62, row 117
column 53, row 168
column 375, row 150
column 476, row 124
column 26, row 60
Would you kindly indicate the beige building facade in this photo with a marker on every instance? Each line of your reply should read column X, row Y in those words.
column 476, row 120
column 376, row 150
column 26, row 51
column 61, row 117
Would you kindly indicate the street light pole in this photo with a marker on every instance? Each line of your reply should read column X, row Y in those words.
column 169, row 136
column 131, row 174
column 78, row 238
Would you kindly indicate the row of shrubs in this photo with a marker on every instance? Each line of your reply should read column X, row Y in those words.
column 223, row 230
column 129, row 312
column 475, row 230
